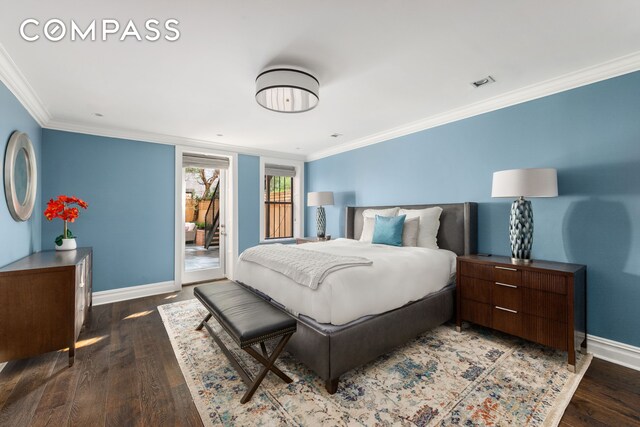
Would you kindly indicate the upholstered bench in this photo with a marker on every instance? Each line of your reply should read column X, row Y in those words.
column 249, row 320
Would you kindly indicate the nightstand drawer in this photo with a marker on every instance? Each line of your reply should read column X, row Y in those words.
column 479, row 271
column 544, row 304
column 504, row 274
column 476, row 312
column 499, row 273
column 548, row 282
column 476, row 289
column 507, row 296
column 544, row 331
column 506, row 320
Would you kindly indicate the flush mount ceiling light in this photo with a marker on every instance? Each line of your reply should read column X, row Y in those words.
column 286, row 90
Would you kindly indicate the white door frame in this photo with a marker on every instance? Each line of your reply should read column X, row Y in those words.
column 230, row 212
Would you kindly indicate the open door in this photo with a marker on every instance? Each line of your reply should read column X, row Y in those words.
column 204, row 185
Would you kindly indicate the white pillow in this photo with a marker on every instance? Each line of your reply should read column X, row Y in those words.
column 429, row 225
column 410, row 232
column 367, row 230
column 370, row 221
column 371, row 213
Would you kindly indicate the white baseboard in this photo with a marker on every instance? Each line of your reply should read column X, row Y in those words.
column 614, row 352
column 133, row 292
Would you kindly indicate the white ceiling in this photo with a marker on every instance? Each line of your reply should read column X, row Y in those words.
column 381, row 64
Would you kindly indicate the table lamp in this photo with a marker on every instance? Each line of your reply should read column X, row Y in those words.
column 320, row 199
column 521, row 183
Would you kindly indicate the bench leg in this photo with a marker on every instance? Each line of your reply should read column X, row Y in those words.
column 264, row 349
column 244, row 375
column 268, row 367
column 206, row 319
column 264, row 360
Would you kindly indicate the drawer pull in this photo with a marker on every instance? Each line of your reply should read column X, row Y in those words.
column 505, row 268
column 506, row 309
column 508, row 286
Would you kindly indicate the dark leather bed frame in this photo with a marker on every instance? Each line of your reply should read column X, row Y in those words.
column 333, row 353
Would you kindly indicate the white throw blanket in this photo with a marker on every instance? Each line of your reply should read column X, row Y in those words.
column 308, row 268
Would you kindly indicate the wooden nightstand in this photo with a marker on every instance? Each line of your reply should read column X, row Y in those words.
column 542, row 301
column 301, row 240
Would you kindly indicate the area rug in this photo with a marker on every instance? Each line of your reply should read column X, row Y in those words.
column 476, row 377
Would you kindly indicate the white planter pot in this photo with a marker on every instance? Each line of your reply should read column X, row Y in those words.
column 67, row 245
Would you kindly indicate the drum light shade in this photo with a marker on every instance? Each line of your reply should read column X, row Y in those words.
column 287, row 90
column 541, row 182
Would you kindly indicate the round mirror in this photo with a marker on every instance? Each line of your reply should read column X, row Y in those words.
column 20, row 176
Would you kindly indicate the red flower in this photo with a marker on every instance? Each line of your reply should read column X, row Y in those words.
column 59, row 208
column 69, row 214
column 54, row 208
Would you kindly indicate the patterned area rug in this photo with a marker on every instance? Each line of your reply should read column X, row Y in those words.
column 477, row 377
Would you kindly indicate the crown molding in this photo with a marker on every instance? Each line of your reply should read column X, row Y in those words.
column 606, row 70
column 17, row 83
column 158, row 138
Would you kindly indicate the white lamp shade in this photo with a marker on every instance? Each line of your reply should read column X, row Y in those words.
column 287, row 90
column 320, row 198
column 542, row 182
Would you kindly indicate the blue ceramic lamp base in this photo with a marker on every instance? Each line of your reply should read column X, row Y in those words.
column 321, row 222
column 521, row 230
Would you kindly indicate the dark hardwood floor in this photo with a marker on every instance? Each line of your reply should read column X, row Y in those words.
column 126, row 374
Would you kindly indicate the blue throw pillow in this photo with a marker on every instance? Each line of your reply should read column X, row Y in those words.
column 388, row 230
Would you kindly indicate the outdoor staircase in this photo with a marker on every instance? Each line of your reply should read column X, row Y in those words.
column 212, row 220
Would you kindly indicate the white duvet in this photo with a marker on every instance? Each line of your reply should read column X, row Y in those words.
column 397, row 276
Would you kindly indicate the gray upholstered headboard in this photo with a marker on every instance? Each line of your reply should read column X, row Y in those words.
column 458, row 225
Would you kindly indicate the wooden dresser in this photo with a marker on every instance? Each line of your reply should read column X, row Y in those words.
column 44, row 301
column 541, row 301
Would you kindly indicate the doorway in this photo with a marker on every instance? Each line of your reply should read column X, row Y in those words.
column 203, row 206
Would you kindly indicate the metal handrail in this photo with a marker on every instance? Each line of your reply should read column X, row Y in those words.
column 210, row 229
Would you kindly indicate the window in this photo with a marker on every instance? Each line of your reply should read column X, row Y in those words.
column 278, row 206
column 281, row 198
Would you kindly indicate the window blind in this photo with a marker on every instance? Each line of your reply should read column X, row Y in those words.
column 279, row 170
column 202, row 161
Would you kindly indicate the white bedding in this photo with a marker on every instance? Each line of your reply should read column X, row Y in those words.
column 308, row 268
column 397, row 276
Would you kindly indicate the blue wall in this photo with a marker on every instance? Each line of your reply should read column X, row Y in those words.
column 19, row 239
column 248, row 201
column 590, row 134
column 129, row 186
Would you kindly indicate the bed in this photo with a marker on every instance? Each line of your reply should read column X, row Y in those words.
column 337, row 330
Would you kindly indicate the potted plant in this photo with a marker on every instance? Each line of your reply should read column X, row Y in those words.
column 200, row 234
column 62, row 208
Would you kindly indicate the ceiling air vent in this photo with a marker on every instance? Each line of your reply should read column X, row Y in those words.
column 483, row 82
